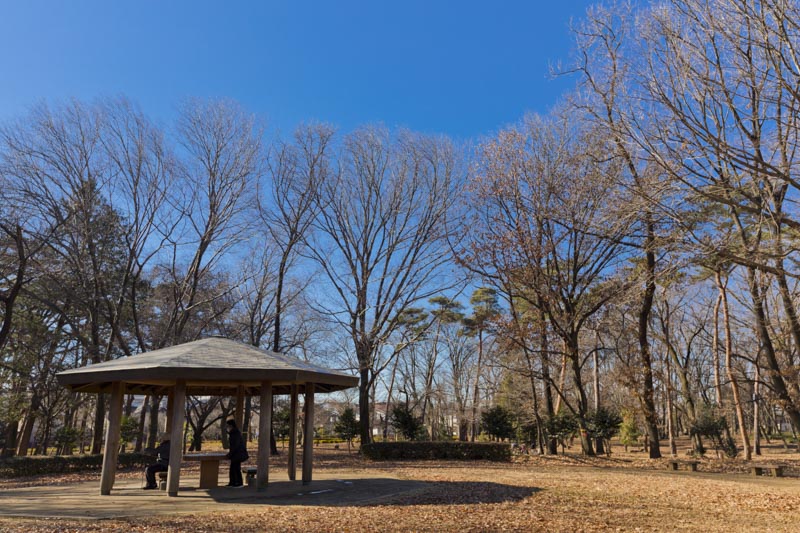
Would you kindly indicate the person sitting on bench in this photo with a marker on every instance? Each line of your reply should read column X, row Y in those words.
column 162, row 462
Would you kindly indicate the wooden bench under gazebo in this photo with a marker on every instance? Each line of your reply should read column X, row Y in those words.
column 209, row 367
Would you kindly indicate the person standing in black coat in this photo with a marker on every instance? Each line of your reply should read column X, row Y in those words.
column 237, row 454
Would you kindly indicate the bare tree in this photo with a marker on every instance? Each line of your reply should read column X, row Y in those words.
column 381, row 224
column 725, row 129
column 546, row 225
column 223, row 158
column 296, row 172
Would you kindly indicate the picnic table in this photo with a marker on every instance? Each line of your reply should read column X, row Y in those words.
column 209, row 467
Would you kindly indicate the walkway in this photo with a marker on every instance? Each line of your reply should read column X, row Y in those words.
column 82, row 500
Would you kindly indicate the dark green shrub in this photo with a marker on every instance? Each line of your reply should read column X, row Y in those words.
column 469, row 451
column 714, row 426
column 281, row 418
column 405, row 423
column 67, row 438
column 498, row 422
column 601, row 425
column 129, row 430
column 561, row 426
column 12, row 467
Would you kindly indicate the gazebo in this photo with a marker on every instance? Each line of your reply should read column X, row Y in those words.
column 213, row 366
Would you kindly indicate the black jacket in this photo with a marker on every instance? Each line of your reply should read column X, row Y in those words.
column 162, row 453
column 238, row 451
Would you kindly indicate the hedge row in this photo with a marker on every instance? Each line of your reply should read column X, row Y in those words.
column 490, row 451
column 12, row 467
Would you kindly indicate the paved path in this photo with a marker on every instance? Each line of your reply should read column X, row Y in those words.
column 127, row 499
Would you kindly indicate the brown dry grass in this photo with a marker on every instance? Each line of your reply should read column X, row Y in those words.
column 626, row 492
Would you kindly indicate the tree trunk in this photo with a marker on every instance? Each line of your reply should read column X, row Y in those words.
column 540, row 438
column 25, row 434
column 774, row 367
column 673, row 449
column 791, row 314
column 197, row 439
column 9, row 448
column 715, row 351
column 583, row 400
column 599, row 441
column 737, row 404
column 552, row 443
column 756, row 410
column 476, row 387
column 648, row 390
column 128, row 405
column 389, row 403
column 248, row 409
column 363, row 407
column 562, row 380
column 84, row 422
column 99, row 421
column 152, row 433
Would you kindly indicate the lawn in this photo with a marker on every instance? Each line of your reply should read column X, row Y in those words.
column 625, row 492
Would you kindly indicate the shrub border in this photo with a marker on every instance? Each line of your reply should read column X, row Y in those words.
column 429, row 450
column 13, row 467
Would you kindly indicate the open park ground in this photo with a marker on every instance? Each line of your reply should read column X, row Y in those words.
column 626, row 492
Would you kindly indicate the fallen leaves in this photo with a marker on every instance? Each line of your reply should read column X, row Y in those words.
column 564, row 493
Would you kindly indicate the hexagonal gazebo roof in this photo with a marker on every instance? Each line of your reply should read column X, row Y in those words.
column 211, row 366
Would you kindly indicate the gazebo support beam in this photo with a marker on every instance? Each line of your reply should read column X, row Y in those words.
column 111, row 450
column 293, row 433
column 264, row 425
column 308, row 435
column 178, row 412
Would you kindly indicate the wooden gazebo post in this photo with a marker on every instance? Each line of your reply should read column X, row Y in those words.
column 176, row 438
column 264, row 425
column 308, row 436
column 293, row 433
column 111, row 449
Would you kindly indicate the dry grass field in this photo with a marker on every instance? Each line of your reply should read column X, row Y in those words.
column 626, row 492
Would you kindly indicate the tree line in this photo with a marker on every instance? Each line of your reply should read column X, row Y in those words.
column 627, row 257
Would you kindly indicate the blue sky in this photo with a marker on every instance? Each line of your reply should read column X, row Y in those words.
column 461, row 68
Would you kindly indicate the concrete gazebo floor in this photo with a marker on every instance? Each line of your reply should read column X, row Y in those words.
column 127, row 499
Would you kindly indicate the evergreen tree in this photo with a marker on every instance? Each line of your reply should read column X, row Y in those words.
column 347, row 426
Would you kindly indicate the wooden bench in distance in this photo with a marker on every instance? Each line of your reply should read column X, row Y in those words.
column 758, row 470
column 691, row 464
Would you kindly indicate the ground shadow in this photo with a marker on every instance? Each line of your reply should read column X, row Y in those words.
column 128, row 500
column 373, row 491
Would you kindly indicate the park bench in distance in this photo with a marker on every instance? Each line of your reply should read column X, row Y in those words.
column 674, row 464
column 758, row 470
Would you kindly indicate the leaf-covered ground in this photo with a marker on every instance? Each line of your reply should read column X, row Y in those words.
column 626, row 492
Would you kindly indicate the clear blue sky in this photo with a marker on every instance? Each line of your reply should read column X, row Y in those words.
column 462, row 68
